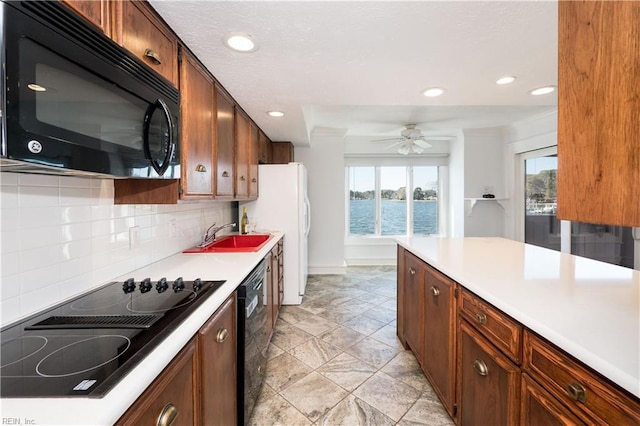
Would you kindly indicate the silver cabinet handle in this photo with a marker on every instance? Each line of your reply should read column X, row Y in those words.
column 481, row 318
column 435, row 291
column 480, row 367
column 153, row 56
column 168, row 415
column 222, row 335
column 577, row 392
column 412, row 271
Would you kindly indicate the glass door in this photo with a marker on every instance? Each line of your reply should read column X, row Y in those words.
column 541, row 226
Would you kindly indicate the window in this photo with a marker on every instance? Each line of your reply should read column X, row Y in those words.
column 393, row 200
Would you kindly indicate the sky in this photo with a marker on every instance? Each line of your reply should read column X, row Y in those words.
column 363, row 178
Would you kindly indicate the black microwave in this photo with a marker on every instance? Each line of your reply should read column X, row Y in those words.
column 75, row 102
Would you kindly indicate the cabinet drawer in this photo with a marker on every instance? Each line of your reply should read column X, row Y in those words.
column 582, row 390
column 497, row 327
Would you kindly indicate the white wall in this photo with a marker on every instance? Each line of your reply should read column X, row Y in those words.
column 484, row 167
column 455, row 223
column 324, row 160
column 61, row 236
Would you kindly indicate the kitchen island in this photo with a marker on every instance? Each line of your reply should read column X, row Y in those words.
column 232, row 267
column 588, row 309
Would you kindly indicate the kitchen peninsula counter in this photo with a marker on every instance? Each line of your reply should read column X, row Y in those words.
column 232, row 267
column 590, row 309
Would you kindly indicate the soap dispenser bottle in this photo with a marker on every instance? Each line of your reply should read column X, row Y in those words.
column 244, row 222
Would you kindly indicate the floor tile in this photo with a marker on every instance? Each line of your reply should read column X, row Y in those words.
column 347, row 371
column 389, row 336
column 284, row 370
column 391, row 304
column 342, row 337
column 372, row 352
column 315, row 352
column 316, row 325
column 352, row 411
column 426, row 412
column 390, row 396
column 277, row 411
column 293, row 314
column 314, row 395
column 381, row 314
column 287, row 336
column 364, row 325
column 405, row 367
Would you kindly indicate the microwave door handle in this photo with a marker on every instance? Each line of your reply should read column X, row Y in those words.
column 171, row 145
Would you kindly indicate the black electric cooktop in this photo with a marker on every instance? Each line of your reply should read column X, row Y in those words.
column 85, row 346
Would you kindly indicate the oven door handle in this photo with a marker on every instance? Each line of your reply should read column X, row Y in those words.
column 251, row 306
column 160, row 168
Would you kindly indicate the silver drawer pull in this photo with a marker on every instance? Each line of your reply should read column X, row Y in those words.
column 153, row 56
column 577, row 392
column 168, row 415
column 222, row 335
column 481, row 318
column 412, row 271
column 480, row 367
column 435, row 291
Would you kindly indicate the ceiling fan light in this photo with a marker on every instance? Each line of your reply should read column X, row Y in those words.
column 418, row 149
column 404, row 150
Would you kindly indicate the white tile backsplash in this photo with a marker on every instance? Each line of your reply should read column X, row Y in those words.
column 61, row 236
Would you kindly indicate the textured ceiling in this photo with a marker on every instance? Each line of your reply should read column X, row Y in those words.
column 359, row 67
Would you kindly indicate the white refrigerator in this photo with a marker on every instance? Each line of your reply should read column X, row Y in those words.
column 283, row 205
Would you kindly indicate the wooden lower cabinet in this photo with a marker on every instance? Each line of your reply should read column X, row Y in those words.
column 217, row 355
column 488, row 382
column 539, row 407
column 440, row 335
column 171, row 396
column 412, row 310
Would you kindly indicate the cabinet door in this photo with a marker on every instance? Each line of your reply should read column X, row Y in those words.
column 281, row 152
column 197, row 105
column 488, row 382
column 254, row 148
column 225, row 133
column 265, row 148
column 414, row 298
column 170, row 396
column 280, row 272
column 440, row 335
column 142, row 32
column 217, row 347
column 538, row 407
column 269, row 293
column 243, row 151
column 598, row 104
column 96, row 12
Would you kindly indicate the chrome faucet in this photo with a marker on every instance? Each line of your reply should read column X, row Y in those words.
column 210, row 235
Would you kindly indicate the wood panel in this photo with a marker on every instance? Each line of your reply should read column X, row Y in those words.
column 217, row 355
column 539, row 407
column 413, row 309
column 281, row 152
column 225, row 135
column 264, row 143
column 598, row 112
column 197, row 108
column 254, row 152
column 146, row 191
column 97, row 12
column 176, row 385
column 141, row 31
column 243, row 152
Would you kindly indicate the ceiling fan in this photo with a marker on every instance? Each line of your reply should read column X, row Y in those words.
column 411, row 140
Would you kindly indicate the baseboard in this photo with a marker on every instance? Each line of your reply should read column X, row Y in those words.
column 327, row 270
column 372, row 262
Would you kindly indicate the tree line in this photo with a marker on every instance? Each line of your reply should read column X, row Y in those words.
column 395, row 194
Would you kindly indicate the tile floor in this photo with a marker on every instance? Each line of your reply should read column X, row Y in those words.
column 335, row 359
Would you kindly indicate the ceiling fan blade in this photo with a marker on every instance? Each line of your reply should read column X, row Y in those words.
column 422, row 143
column 437, row 138
column 394, row 144
column 388, row 140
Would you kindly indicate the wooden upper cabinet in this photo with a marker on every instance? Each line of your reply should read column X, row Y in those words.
column 281, row 152
column 197, row 139
column 225, row 141
column 243, row 152
column 97, row 12
column 138, row 29
column 254, row 148
column 264, row 148
column 598, row 112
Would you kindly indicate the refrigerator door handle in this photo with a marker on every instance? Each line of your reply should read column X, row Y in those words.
column 308, row 215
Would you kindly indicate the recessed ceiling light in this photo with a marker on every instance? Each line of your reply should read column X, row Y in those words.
column 506, row 80
column 276, row 113
column 543, row 90
column 240, row 42
column 433, row 92
column 36, row 87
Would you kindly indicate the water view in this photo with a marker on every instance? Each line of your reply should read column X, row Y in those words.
column 394, row 217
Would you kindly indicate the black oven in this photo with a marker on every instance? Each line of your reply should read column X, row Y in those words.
column 77, row 103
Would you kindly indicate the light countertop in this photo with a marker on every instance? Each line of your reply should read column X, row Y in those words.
column 232, row 267
column 590, row 309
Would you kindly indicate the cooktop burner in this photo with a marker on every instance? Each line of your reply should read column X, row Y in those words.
column 85, row 346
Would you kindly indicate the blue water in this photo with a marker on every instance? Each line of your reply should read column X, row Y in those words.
column 394, row 217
